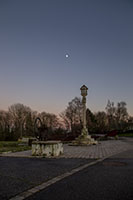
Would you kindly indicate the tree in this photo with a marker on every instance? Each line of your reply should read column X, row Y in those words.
column 19, row 113
column 101, row 122
column 3, row 124
column 65, row 120
column 117, row 115
column 121, row 115
column 50, row 120
column 111, row 115
column 90, row 121
column 72, row 116
column 29, row 123
column 130, row 124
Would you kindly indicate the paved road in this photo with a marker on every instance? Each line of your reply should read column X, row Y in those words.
column 19, row 174
column 111, row 179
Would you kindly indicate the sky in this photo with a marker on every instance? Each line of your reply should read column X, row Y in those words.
column 36, row 36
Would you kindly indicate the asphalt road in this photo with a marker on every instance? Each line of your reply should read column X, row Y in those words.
column 111, row 179
column 20, row 174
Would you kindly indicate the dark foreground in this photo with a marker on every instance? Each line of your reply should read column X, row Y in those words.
column 111, row 179
column 20, row 174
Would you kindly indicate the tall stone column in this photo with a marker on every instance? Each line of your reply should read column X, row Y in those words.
column 84, row 94
column 84, row 130
column 84, row 111
column 84, row 138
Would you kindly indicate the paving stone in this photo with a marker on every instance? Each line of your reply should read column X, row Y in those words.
column 101, row 150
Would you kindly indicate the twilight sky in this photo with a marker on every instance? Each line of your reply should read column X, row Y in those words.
column 35, row 36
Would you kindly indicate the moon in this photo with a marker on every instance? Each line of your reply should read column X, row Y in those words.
column 66, row 55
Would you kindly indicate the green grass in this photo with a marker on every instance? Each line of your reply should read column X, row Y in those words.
column 126, row 134
column 6, row 146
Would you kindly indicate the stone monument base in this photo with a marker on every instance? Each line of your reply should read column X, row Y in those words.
column 47, row 148
column 84, row 140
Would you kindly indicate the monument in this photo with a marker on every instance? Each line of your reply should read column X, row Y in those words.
column 43, row 147
column 84, row 138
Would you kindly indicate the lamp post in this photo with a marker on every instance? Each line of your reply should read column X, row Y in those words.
column 84, row 94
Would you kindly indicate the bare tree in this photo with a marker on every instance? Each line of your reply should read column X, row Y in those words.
column 121, row 115
column 3, row 123
column 101, row 121
column 111, row 115
column 91, row 120
column 72, row 115
column 65, row 121
column 117, row 115
column 29, row 121
column 18, row 113
column 50, row 120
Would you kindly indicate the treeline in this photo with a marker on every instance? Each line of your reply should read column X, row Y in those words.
column 19, row 120
column 115, row 117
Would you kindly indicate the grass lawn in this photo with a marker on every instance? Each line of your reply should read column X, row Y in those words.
column 13, row 146
column 126, row 134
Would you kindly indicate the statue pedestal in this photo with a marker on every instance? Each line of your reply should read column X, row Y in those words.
column 84, row 139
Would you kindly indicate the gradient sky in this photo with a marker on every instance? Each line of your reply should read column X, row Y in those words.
column 35, row 36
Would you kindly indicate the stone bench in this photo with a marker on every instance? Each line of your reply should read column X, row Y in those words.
column 47, row 148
